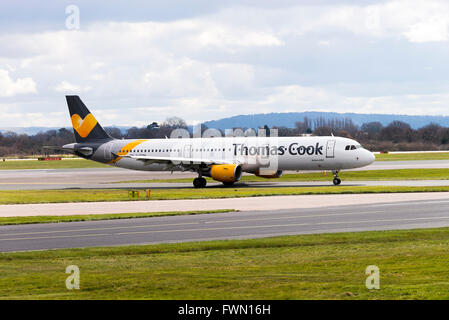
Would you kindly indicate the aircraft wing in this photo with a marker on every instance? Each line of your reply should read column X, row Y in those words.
column 179, row 160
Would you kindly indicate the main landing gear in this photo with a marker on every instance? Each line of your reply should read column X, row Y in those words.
column 199, row 182
column 336, row 180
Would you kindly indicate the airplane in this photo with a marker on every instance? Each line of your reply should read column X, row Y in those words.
column 223, row 159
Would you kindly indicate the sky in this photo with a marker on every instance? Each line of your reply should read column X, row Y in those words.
column 135, row 62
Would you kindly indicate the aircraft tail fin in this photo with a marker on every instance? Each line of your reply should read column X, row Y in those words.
column 85, row 126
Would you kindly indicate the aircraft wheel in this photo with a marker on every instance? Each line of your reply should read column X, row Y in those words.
column 228, row 184
column 199, row 182
column 337, row 181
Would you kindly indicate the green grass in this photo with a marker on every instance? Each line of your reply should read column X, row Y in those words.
column 369, row 175
column 365, row 175
column 412, row 156
column 56, row 164
column 58, row 196
column 412, row 263
column 93, row 217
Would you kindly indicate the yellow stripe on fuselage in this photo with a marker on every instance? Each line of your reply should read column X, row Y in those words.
column 127, row 148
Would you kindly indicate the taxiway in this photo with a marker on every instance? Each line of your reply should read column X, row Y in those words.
column 242, row 225
column 100, row 178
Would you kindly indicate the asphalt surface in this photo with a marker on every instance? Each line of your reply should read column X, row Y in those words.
column 237, row 225
column 100, row 178
column 272, row 203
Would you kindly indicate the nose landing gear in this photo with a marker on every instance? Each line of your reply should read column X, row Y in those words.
column 336, row 180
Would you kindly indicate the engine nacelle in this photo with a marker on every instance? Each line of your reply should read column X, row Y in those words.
column 269, row 174
column 226, row 172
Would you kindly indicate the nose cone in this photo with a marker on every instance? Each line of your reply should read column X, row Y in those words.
column 369, row 157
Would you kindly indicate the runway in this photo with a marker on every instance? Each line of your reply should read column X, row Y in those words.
column 99, row 178
column 241, row 225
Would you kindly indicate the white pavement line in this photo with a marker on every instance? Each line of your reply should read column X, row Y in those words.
column 293, row 217
column 287, row 225
column 399, row 204
column 182, row 224
column 57, row 237
column 98, row 229
column 229, row 228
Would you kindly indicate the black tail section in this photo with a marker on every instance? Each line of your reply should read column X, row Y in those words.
column 85, row 126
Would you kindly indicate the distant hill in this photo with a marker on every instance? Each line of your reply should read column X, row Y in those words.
column 288, row 119
column 27, row 130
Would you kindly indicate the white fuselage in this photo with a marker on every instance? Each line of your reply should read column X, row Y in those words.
column 252, row 153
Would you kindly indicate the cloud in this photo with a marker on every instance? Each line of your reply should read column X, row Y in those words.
column 9, row 87
column 414, row 20
column 226, row 36
column 238, row 57
column 67, row 87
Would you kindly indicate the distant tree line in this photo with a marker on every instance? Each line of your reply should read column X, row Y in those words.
column 13, row 144
column 396, row 136
column 373, row 135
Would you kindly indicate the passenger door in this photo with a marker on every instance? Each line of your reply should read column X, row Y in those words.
column 188, row 151
column 330, row 147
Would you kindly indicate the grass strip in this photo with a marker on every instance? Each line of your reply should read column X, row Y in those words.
column 93, row 217
column 83, row 195
column 412, row 156
column 412, row 263
column 56, row 164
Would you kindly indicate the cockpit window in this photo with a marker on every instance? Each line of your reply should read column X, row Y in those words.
column 353, row 147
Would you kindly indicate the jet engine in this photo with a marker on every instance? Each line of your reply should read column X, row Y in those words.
column 269, row 174
column 226, row 172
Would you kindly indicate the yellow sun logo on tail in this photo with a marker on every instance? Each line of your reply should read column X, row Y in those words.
column 83, row 126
